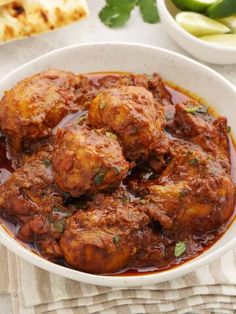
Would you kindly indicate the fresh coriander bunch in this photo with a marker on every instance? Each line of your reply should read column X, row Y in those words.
column 117, row 12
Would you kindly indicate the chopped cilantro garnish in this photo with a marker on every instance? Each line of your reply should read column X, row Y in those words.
column 193, row 162
column 116, row 240
column 116, row 169
column 59, row 225
column 81, row 204
column 180, row 248
column 98, row 179
column 47, row 163
column 196, row 109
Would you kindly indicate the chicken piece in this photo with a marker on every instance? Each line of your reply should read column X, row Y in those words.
column 157, row 86
column 130, row 113
column 45, row 229
column 44, row 232
column 122, row 80
column 87, row 160
column 193, row 123
column 35, row 105
column 105, row 237
column 89, row 89
column 194, row 192
column 29, row 189
column 30, row 198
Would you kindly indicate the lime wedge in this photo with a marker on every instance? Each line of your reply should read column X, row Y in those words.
column 226, row 40
column 230, row 22
column 222, row 8
column 200, row 25
column 193, row 5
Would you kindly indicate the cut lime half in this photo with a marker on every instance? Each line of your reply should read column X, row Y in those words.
column 193, row 5
column 221, row 9
column 230, row 22
column 200, row 25
column 226, row 40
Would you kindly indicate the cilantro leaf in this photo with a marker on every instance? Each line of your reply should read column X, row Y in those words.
column 196, row 109
column 116, row 240
column 114, row 16
column 47, row 163
column 180, row 248
column 122, row 3
column 193, row 162
column 59, row 225
column 98, row 179
column 117, row 12
column 149, row 12
column 81, row 205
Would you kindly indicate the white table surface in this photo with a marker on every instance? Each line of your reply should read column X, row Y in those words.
column 17, row 53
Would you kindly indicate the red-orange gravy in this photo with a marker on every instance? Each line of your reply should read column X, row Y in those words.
column 177, row 96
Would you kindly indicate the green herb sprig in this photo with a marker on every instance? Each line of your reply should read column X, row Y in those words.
column 180, row 248
column 100, row 175
column 117, row 12
column 47, row 163
column 193, row 162
column 196, row 109
column 59, row 225
column 116, row 240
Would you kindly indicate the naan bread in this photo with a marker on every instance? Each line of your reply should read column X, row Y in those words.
column 22, row 18
column 2, row 2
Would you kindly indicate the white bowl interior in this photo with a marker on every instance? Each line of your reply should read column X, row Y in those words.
column 188, row 74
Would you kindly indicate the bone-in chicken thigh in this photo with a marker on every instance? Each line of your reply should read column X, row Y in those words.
column 105, row 237
column 31, row 198
column 87, row 160
column 35, row 105
column 131, row 114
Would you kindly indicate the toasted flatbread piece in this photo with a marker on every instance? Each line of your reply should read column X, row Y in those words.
column 2, row 2
column 23, row 18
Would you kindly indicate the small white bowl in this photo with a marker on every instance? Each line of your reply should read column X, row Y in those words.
column 173, row 67
column 204, row 51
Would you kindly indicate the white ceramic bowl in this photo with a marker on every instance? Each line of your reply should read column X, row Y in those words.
column 173, row 67
column 200, row 49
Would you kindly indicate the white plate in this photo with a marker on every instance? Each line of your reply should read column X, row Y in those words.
column 204, row 51
column 173, row 67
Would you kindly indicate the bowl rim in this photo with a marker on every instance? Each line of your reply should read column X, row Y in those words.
column 163, row 8
column 117, row 280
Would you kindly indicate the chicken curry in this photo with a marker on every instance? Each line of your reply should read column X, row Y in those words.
column 110, row 172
